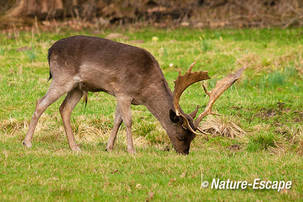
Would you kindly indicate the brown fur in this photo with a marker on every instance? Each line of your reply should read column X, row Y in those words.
column 80, row 63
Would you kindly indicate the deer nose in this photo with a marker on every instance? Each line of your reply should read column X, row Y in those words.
column 186, row 151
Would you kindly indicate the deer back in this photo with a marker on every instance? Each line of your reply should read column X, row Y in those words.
column 103, row 65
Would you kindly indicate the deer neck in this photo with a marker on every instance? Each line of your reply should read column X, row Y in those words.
column 159, row 105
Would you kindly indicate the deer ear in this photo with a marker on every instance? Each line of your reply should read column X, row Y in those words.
column 173, row 116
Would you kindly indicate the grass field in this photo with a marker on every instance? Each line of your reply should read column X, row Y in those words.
column 266, row 103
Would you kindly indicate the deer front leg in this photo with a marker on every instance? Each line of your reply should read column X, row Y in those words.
column 66, row 108
column 124, row 103
column 113, row 135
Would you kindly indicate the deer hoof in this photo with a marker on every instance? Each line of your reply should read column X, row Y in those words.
column 109, row 149
column 131, row 151
column 76, row 149
column 27, row 144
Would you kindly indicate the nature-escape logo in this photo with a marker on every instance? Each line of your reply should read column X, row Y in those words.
column 257, row 184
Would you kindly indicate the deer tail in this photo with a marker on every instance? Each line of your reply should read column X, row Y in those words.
column 50, row 76
column 48, row 59
column 85, row 96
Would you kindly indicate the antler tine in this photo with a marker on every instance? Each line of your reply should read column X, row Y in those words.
column 220, row 87
column 191, row 67
column 182, row 82
column 194, row 113
column 205, row 89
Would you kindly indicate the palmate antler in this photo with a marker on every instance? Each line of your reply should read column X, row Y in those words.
column 220, row 87
column 181, row 83
column 189, row 78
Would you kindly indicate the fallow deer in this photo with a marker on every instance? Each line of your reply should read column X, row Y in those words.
column 79, row 64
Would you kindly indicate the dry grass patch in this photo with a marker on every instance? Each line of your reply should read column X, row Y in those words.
column 250, row 60
column 12, row 126
column 269, row 61
column 222, row 126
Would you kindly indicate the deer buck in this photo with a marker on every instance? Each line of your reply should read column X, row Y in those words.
column 80, row 64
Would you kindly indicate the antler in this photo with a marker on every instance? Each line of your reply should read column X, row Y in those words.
column 220, row 87
column 181, row 84
column 194, row 113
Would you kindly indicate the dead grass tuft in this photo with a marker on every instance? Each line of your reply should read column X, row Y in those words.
column 250, row 60
column 11, row 126
column 222, row 127
column 271, row 62
column 92, row 130
column 300, row 148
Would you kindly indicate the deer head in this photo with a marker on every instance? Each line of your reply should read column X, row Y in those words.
column 188, row 125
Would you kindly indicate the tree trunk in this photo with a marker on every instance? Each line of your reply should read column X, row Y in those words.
column 40, row 8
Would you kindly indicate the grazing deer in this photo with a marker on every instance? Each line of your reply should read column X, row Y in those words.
column 80, row 64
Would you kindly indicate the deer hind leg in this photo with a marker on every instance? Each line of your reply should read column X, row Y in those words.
column 124, row 103
column 66, row 108
column 113, row 135
column 54, row 92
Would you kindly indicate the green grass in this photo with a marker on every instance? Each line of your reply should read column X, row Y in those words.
column 266, row 102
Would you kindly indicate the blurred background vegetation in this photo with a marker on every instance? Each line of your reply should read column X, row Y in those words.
column 266, row 103
column 161, row 13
